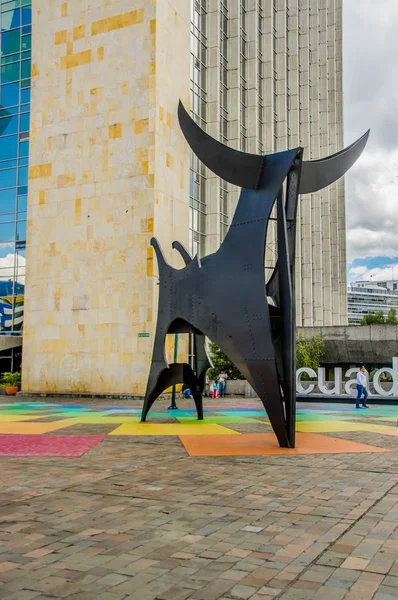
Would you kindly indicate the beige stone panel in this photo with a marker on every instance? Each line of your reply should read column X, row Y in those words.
column 109, row 168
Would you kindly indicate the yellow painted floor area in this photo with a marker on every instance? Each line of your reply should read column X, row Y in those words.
column 172, row 429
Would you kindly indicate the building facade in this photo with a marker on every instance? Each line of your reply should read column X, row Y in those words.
column 15, row 87
column 366, row 297
column 108, row 167
column 108, row 170
column 266, row 75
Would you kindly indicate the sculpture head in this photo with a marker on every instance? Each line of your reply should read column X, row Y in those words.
column 244, row 170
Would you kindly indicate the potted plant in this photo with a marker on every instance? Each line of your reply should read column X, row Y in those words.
column 12, row 382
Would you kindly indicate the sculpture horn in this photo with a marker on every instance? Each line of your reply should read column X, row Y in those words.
column 318, row 174
column 239, row 168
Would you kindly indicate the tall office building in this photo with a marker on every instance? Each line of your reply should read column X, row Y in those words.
column 109, row 168
column 266, row 75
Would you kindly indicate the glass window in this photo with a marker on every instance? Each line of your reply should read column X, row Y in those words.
column 10, row 5
column 24, row 122
column 6, row 249
column 23, row 147
column 26, row 16
column 8, row 125
column 22, row 203
column 5, row 60
column 8, row 112
column 25, row 96
column 9, row 94
column 8, row 200
column 26, row 43
column 8, row 178
column 8, row 147
column 25, row 70
column 7, row 217
column 15, row 18
column 7, row 164
column 7, row 232
column 11, row 72
column 21, row 230
column 25, row 83
column 23, row 176
column 20, row 279
column 7, row 274
column 12, row 41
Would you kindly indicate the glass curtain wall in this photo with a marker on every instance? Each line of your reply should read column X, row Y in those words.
column 15, row 57
column 224, row 199
column 260, row 75
column 243, row 76
column 197, row 187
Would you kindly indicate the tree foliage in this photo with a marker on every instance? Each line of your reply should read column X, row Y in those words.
column 392, row 317
column 221, row 361
column 378, row 318
column 309, row 351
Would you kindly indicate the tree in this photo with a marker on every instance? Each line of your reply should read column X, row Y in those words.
column 392, row 317
column 221, row 361
column 309, row 351
column 376, row 318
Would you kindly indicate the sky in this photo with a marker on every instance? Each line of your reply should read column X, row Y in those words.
column 371, row 101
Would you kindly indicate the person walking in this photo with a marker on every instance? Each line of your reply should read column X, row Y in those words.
column 222, row 382
column 362, row 388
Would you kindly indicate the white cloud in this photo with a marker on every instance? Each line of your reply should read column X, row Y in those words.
column 363, row 273
column 7, row 268
column 371, row 100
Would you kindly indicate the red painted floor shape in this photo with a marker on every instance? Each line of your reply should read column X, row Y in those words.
column 47, row 445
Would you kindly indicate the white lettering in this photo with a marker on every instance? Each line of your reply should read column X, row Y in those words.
column 394, row 376
column 299, row 388
column 350, row 385
column 323, row 388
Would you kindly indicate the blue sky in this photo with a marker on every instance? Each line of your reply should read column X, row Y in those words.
column 371, row 101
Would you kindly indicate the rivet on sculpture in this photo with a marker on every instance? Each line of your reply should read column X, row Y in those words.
column 258, row 336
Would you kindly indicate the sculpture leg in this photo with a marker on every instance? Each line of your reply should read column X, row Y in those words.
column 159, row 381
column 263, row 377
column 158, row 378
column 198, row 399
column 202, row 364
column 196, row 387
column 250, row 347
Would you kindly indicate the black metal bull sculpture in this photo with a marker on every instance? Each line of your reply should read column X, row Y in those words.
column 257, row 336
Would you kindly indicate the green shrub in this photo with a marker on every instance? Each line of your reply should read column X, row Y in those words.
column 11, row 379
column 309, row 352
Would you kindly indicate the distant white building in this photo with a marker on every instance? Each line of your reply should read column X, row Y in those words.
column 366, row 297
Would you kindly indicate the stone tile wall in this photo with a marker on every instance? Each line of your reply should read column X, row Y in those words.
column 108, row 170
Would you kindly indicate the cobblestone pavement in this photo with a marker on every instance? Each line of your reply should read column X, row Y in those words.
column 137, row 518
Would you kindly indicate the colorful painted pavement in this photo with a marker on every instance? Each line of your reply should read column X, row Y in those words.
column 230, row 428
column 95, row 505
